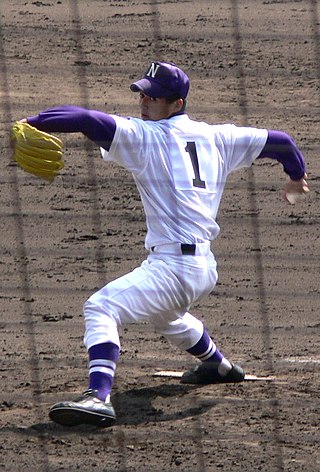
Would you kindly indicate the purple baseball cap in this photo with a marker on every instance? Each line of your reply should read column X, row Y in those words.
column 163, row 80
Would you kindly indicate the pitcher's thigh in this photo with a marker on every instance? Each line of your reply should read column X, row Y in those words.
column 140, row 294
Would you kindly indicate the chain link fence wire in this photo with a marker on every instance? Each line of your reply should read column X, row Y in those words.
column 99, row 257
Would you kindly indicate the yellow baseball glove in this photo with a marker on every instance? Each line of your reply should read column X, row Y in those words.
column 36, row 152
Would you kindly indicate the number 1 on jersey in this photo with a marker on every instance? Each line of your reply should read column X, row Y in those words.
column 192, row 151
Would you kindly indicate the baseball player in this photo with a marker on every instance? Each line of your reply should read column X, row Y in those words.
column 180, row 167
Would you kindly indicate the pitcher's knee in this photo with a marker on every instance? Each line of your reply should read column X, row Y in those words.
column 184, row 333
column 101, row 324
column 96, row 310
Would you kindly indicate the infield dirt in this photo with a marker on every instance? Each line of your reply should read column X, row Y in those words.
column 251, row 62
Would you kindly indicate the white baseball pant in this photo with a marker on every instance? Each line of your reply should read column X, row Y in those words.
column 160, row 291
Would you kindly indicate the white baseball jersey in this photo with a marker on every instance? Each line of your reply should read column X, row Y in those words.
column 180, row 167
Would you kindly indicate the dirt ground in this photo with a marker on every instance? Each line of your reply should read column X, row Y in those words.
column 251, row 62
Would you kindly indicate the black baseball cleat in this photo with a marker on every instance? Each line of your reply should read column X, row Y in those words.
column 87, row 409
column 207, row 373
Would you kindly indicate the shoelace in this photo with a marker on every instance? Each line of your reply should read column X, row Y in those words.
column 89, row 392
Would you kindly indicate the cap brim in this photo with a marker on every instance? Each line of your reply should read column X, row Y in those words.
column 150, row 88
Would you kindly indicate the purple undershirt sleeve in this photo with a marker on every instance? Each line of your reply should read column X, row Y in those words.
column 99, row 127
column 281, row 146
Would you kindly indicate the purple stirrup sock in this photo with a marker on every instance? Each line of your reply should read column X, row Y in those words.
column 206, row 351
column 102, row 366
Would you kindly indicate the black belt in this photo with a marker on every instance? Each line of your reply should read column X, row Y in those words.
column 186, row 249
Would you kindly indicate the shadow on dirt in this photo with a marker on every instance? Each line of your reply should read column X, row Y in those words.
column 133, row 407
column 136, row 406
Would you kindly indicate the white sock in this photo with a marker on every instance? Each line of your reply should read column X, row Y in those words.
column 224, row 367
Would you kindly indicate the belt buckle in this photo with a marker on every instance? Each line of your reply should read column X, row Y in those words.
column 188, row 249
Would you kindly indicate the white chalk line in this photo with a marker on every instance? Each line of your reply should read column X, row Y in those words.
column 302, row 360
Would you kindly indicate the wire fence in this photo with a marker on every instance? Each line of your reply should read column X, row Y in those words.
column 94, row 216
